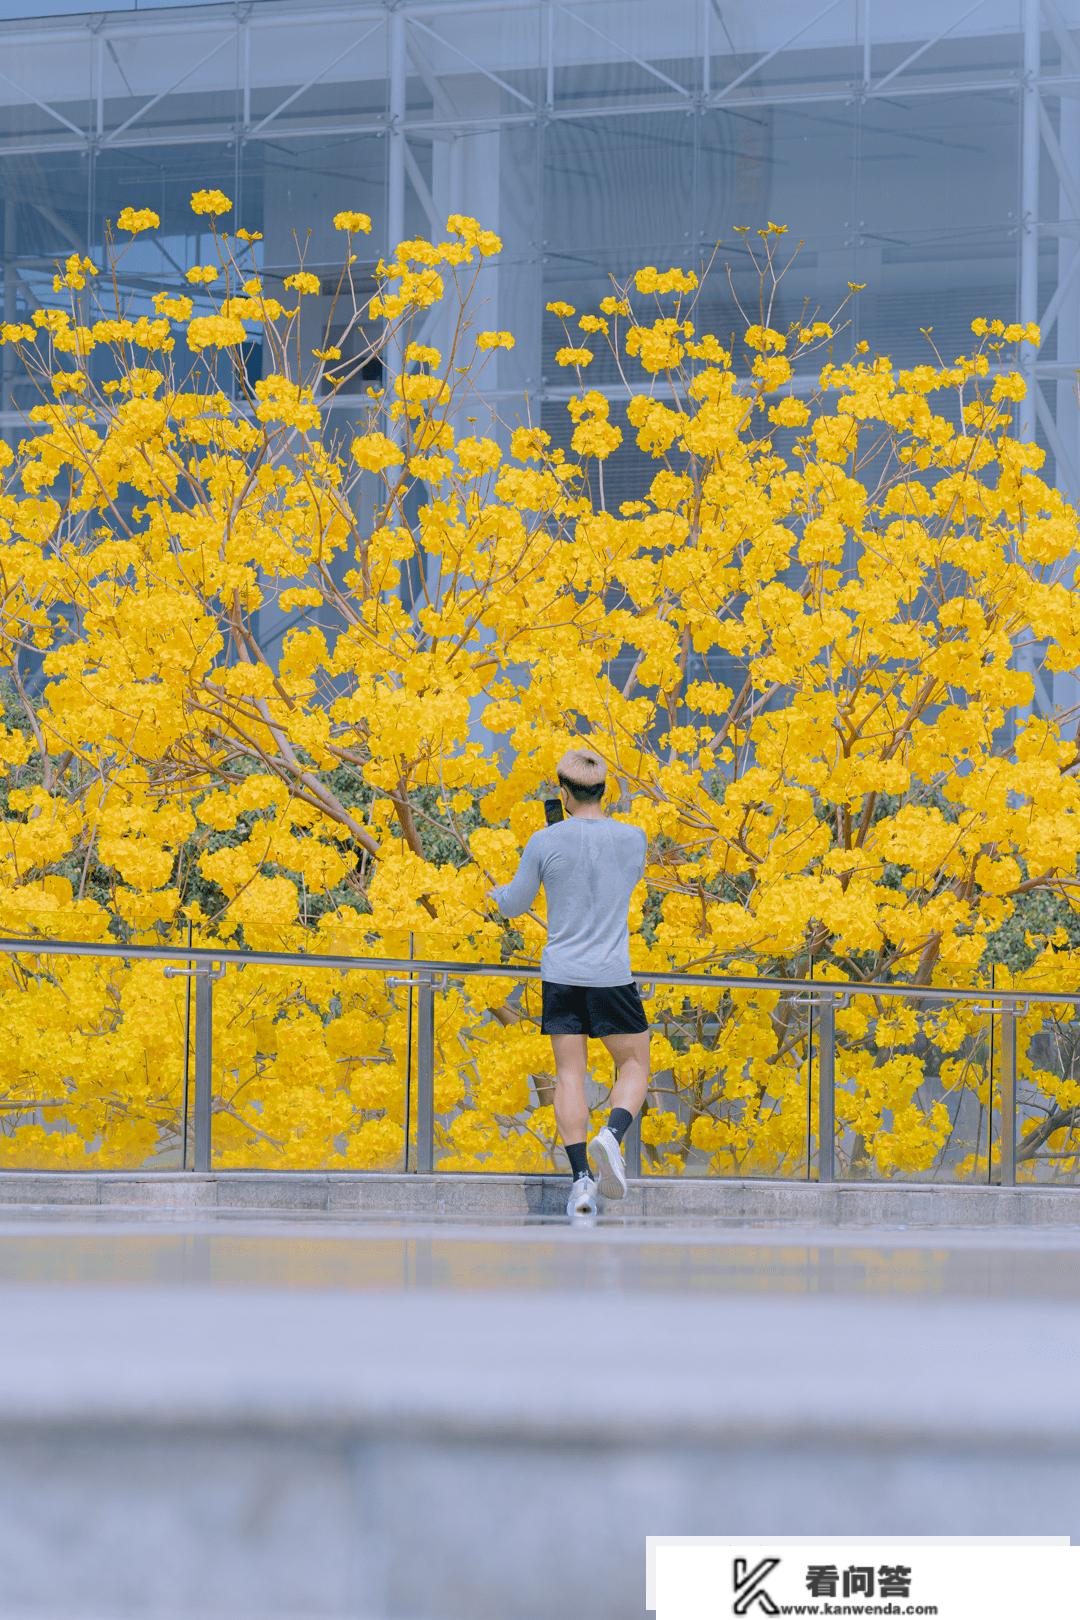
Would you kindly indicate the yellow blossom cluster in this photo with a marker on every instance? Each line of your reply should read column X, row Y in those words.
column 138, row 219
column 797, row 646
column 351, row 221
column 210, row 202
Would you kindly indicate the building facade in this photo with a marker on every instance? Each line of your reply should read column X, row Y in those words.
column 929, row 153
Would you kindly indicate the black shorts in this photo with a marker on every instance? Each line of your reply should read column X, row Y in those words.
column 578, row 1009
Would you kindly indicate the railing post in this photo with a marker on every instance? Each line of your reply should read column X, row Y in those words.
column 1008, row 1095
column 204, row 1053
column 185, row 1105
column 632, row 1147
column 425, row 1075
column 826, row 1145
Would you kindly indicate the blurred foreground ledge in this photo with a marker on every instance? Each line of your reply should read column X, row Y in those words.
column 208, row 1452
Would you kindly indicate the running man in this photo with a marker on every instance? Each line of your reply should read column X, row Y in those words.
column 589, row 867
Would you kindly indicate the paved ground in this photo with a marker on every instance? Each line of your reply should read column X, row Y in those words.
column 608, row 1256
column 428, row 1420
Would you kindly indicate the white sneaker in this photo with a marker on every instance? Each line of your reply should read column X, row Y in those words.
column 606, row 1156
column 582, row 1200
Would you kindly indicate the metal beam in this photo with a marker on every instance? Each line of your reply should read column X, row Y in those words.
column 914, row 57
column 629, row 55
column 1049, row 426
column 439, row 97
column 118, row 65
column 163, row 93
column 1060, row 31
column 430, row 127
column 395, row 202
column 60, row 224
column 11, row 280
column 427, row 202
column 393, row 354
column 494, row 77
column 29, row 294
column 340, row 57
column 1057, row 157
column 1053, row 308
column 44, row 105
column 99, row 85
column 761, row 61
column 1030, row 151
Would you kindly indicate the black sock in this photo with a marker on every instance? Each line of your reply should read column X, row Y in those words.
column 619, row 1122
column 578, row 1154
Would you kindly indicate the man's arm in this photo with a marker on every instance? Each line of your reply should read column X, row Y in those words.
column 514, row 899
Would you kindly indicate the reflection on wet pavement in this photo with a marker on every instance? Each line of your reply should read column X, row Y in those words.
column 945, row 1265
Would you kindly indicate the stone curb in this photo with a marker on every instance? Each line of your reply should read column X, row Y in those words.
column 373, row 1193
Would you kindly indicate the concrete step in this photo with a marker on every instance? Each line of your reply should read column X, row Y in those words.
column 524, row 1197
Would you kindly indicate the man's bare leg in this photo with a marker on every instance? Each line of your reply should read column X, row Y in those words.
column 572, row 1117
column 631, row 1057
column 571, row 1065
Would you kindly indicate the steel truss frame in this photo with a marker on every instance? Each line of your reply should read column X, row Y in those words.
column 408, row 26
column 413, row 28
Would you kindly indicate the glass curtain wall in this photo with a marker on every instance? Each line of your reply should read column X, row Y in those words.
column 593, row 136
column 928, row 153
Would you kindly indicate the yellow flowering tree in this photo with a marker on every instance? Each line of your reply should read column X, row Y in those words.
column 873, row 799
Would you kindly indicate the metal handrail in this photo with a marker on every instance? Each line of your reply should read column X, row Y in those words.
column 431, row 976
column 509, row 970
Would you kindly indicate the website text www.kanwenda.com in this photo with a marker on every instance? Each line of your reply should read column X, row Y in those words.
column 856, row 1608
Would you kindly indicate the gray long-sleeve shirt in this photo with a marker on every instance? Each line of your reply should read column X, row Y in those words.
column 589, row 869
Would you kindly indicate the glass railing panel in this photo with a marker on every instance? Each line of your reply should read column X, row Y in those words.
column 913, row 1089
column 730, row 1090
column 322, row 1068
column 91, row 1072
column 310, row 1068
column 1048, row 1094
column 318, row 1069
column 495, row 1080
column 728, row 1093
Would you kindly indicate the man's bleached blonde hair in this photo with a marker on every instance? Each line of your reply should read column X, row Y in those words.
column 583, row 774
